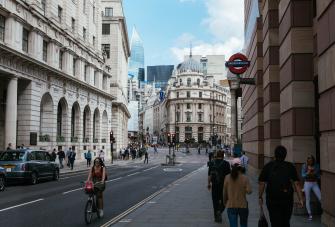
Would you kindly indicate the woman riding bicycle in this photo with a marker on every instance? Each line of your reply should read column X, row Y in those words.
column 98, row 174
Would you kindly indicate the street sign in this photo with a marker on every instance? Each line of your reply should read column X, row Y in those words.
column 248, row 81
column 238, row 63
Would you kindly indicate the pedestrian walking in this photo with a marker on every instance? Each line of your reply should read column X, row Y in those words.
column 67, row 154
column 53, row 155
column 155, row 149
column 72, row 157
column 102, row 155
column 278, row 176
column 146, row 157
column 9, row 147
column 217, row 171
column 244, row 161
column 236, row 186
column 61, row 157
column 199, row 149
column 311, row 174
column 88, row 158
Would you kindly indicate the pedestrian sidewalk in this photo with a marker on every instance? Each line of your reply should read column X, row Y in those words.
column 188, row 203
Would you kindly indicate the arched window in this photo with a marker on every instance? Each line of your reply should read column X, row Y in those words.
column 189, row 82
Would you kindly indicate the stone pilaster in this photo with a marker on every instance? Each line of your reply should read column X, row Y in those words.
column 11, row 112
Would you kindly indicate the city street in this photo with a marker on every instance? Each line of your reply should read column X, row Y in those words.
column 62, row 203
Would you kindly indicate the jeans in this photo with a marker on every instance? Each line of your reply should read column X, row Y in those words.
column 88, row 162
column 61, row 162
column 233, row 214
column 280, row 212
column 308, row 186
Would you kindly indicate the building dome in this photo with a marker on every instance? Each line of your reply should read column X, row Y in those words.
column 190, row 65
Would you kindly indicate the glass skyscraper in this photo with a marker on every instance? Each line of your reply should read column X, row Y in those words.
column 136, row 60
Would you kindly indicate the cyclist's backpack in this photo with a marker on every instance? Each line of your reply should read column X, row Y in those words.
column 279, row 185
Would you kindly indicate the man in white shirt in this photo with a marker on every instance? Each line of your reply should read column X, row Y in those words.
column 102, row 155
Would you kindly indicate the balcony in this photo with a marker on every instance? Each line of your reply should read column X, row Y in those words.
column 44, row 138
column 60, row 139
column 86, row 140
column 74, row 139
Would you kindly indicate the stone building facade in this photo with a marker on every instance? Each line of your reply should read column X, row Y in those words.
column 115, row 46
column 290, row 44
column 195, row 105
column 54, row 83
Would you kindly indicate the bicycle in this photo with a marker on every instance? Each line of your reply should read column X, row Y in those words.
column 92, row 202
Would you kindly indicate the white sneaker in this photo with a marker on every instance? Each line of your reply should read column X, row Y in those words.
column 101, row 213
column 310, row 218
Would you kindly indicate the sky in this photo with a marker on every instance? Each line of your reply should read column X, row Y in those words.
column 168, row 27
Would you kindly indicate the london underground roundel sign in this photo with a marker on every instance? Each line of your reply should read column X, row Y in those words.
column 238, row 63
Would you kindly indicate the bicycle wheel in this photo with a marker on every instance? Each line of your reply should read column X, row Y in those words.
column 88, row 211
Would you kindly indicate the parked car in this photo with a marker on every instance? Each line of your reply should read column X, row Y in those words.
column 28, row 165
column 2, row 179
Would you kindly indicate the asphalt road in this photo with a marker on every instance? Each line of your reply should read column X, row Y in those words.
column 61, row 203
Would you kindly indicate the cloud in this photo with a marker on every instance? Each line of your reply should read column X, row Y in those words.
column 182, row 1
column 225, row 22
column 219, row 48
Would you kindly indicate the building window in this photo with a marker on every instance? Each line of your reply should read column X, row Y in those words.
column 198, row 82
column 189, row 82
column 188, row 94
column 43, row 4
column 178, row 106
column 177, row 116
column 25, row 34
column 188, row 106
column 93, row 14
column 177, row 94
column 84, row 6
column 199, row 117
column 73, row 24
column 84, row 33
column 95, row 78
column 2, row 28
column 104, row 82
column 106, row 29
column 74, row 66
column 61, row 59
column 199, row 106
column 188, row 117
column 60, row 11
column 180, row 81
column 93, row 41
column 200, row 94
column 108, row 12
column 86, row 73
column 45, row 50
column 106, row 50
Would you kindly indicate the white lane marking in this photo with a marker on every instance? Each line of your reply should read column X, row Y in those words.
column 20, row 205
column 77, row 189
column 64, row 193
column 64, row 178
column 150, row 168
column 133, row 174
column 125, row 220
column 152, row 202
column 114, row 179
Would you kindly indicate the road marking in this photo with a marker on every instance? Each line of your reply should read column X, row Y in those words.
column 114, row 179
column 146, row 200
column 64, row 193
column 20, row 205
column 126, row 220
column 152, row 202
column 150, row 168
column 64, row 178
column 133, row 174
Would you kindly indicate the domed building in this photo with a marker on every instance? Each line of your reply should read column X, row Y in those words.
column 196, row 106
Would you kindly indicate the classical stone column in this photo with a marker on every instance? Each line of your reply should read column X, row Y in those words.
column 11, row 113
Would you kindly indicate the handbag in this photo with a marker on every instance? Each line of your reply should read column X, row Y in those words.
column 262, row 222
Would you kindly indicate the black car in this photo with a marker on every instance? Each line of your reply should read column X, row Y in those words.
column 2, row 178
column 28, row 165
